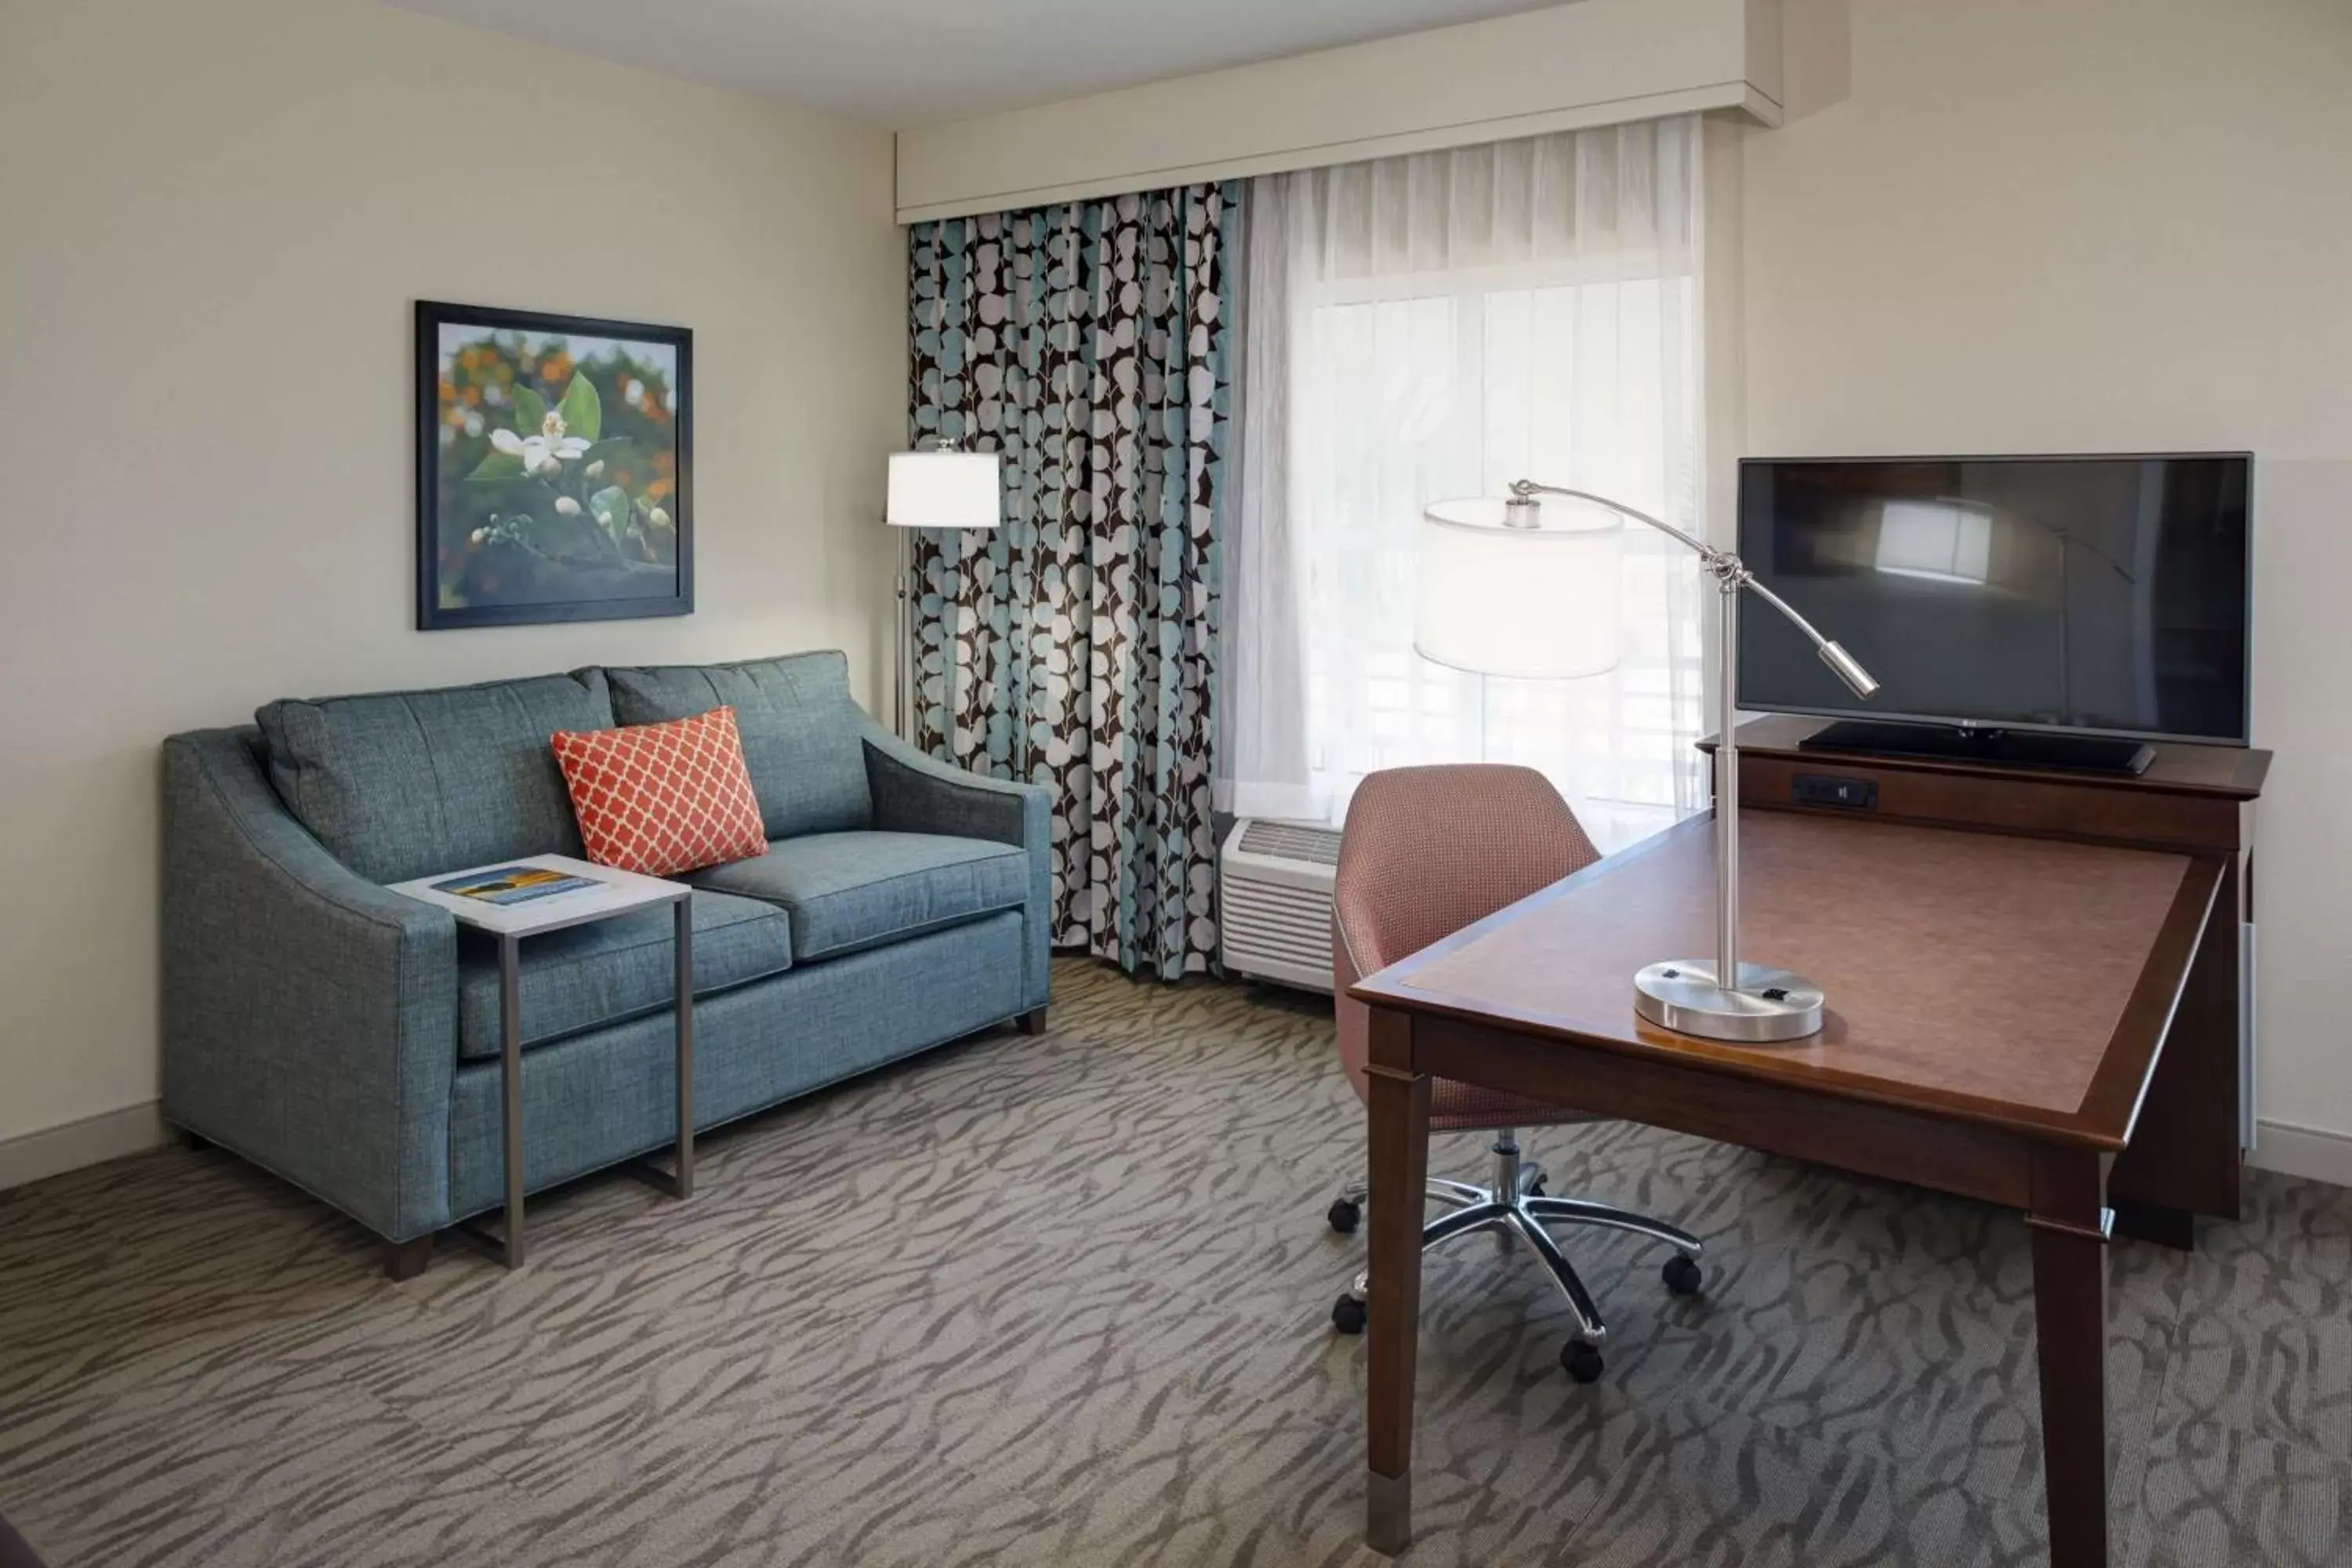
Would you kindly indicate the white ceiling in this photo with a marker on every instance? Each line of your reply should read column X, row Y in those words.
column 907, row 62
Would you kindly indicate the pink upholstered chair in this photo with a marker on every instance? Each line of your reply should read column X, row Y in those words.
column 1426, row 852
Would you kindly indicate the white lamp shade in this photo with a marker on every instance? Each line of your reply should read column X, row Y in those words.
column 1532, row 603
column 943, row 489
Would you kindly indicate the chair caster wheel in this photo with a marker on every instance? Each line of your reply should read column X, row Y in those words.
column 1536, row 1188
column 1681, row 1275
column 1581, row 1360
column 1348, row 1314
column 1345, row 1215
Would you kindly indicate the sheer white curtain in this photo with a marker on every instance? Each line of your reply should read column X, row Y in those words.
column 1437, row 325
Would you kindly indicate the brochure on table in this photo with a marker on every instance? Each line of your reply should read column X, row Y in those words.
column 532, row 893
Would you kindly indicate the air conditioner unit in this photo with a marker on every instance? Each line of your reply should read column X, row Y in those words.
column 1275, row 901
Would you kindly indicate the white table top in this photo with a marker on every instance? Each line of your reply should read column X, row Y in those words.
column 615, row 893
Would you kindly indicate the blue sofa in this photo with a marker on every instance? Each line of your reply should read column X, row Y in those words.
column 346, row 1038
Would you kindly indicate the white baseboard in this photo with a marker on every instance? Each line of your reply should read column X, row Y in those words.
column 109, row 1135
column 2281, row 1146
column 2304, row 1152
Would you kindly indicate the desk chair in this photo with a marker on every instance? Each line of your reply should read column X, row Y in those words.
column 1426, row 852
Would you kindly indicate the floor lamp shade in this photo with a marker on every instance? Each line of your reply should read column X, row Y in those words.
column 943, row 489
column 1500, row 596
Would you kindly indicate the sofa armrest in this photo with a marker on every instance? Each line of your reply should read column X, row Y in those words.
column 914, row 792
column 309, row 1016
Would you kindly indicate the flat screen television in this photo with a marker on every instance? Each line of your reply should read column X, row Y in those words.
column 2046, row 610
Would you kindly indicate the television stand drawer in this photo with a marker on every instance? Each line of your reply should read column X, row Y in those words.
column 2091, row 807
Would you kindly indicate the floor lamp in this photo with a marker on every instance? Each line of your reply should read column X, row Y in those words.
column 1527, row 588
column 941, row 486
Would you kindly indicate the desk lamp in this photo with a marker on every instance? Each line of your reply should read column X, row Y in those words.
column 1516, row 588
column 943, row 486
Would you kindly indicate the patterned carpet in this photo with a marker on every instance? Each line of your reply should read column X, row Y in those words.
column 1062, row 1301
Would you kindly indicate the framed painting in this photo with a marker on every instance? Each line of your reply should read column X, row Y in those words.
column 554, row 468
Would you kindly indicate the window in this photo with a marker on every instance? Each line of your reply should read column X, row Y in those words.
column 1432, row 327
column 1946, row 542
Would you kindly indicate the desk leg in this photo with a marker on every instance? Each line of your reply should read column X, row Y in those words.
column 2069, row 1311
column 1400, row 1171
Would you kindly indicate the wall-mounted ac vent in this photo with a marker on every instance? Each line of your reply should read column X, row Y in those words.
column 1275, row 908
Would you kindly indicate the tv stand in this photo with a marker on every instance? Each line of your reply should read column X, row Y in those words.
column 1996, row 748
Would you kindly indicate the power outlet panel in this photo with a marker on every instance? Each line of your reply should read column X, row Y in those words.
column 1833, row 789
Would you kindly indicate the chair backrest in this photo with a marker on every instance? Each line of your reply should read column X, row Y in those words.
column 1429, row 851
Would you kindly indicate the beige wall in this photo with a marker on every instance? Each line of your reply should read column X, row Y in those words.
column 214, row 219
column 1996, row 224
column 2055, row 225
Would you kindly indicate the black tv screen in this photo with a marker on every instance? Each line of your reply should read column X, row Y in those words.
column 2104, row 594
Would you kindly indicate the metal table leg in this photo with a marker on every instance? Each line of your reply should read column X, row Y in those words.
column 507, row 1248
column 685, row 944
column 510, row 1086
column 680, row 1182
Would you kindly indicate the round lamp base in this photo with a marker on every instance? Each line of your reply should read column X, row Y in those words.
column 1769, row 1003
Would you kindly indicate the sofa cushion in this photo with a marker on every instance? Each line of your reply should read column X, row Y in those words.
column 404, row 783
column 800, row 728
column 585, row 976
column 852, row 891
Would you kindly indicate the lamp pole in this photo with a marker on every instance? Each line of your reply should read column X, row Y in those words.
column 1726, row 783
column 902, row 700
column 1724, row 999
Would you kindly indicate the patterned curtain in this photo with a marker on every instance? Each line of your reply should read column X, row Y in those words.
column 1075, row 646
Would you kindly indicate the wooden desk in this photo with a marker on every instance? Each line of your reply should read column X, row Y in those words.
column 2185, row 1158
column 1998, row 1005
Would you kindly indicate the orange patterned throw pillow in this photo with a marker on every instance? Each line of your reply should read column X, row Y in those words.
column 663, row 798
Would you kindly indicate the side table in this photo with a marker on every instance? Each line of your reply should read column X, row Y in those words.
column 531, row 896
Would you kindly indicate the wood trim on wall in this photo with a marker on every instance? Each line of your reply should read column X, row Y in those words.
column 1596, row 62
column 2304, row 1152
column 52, row 1151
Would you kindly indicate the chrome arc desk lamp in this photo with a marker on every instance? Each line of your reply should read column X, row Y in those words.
column 1500, row 591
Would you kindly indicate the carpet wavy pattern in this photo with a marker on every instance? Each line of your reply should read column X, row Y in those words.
column 1061, row 1300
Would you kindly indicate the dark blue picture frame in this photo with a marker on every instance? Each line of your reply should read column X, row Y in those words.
column 505, row 570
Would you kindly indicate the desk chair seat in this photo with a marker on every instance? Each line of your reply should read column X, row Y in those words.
column 1426, row 852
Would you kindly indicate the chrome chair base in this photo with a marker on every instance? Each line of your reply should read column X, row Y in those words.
column 1515, row 1206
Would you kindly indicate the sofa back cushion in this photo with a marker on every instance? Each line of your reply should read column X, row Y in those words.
column 404, row 784
column 800, row 728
